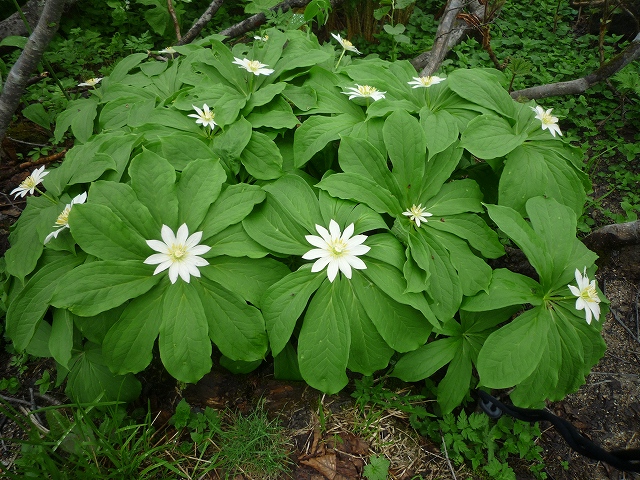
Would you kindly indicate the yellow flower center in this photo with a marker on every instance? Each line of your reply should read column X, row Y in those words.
column 366, row 90
column 547, row 119
column 346, row 44
column 337, row 248
column 29, row 183
column 589, row 294
column 177, row 252
column 253, row 65
column 417, row 211
column 63, row 218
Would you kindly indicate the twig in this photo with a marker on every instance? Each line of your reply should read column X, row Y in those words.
column 174, row 18
column 617, row 318
column 446, row 456
column 197, row 27
column 43, row 160
column 31, row 144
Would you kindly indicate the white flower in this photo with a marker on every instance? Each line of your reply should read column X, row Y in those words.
column 338, row 251
column 253, row 66
column 425, row 82
column 168, row 50
column 364, row 91
column 29, row 184
column 92, row 82
column 345, row 44
column 62, row 221
column 262, row 39
column 204, row 117
column 417, row 214
column 587, row 295
column 548, row 121
column 179, row 253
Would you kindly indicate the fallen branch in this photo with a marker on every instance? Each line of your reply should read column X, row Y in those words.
column 580, row 85
column 174, row 19
column 44, row 160
column 197, row 27
column 611, row 237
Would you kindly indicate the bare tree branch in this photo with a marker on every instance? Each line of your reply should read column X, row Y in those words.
column 13, row 25
column 20, row 73
column 580, row 85
column 174, row 19
column 451, row 31
column 197, row 27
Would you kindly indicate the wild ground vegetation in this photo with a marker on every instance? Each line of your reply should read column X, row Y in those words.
column 497, row 173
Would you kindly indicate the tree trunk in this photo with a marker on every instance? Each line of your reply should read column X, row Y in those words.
column 13, row 25
column 18, row 77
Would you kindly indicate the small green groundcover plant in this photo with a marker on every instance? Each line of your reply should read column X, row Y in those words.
column 289, row 199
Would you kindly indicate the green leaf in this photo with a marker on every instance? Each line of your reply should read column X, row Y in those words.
column 297, row 198
column 437, row 171
column 386, row 248
column 235, row 242
column 456, row 197
column 101, row 233
column 179, row 149
column 153, row 180
column 426, row 360
column 285, row 301
column 474, row 230
column 402, row 327
column 351, row 186
column 61, row 339
column 79, row 115
column 489, row 137
column 513, row 352
column 316, row 132
column 303, row 97
column 247, row 277
column 507, row 288
column 482, row 87
column 272, row 227
column 325, row 338
column 518, row 230
column 441, row 128
column 128, row 345
column 232, row 206
column 406, row 143
column 123, row 67
column 232, row 141
column 29, row 306
column 98, row 286
column 261, row 157
column 37, row 114
column 236, row 328
column 199, row 186
column 185, row 348
column 455, row 384
column 122, row 200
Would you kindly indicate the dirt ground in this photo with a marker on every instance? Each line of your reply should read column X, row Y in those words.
column 324, row 445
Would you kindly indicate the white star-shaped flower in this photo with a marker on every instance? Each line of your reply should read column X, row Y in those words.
column 29, row 184
column 364, row 91
column 204, row 117
column 345, row 44
column 262, row 39
column 253, row 66
column 169, row 50
column 92, row 82
column 178, row 252
column 336, row 250
column 425, row 82
column 62, row 221
column 417, row 214
column 548, row 121
column 588, row 299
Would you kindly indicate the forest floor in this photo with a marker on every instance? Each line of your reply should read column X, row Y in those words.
column 330, row 437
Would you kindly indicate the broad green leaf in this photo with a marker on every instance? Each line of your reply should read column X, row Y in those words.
column 406, row 143
column 300, row 51
column 29, row 306
column 316, row 132
column 247, row 277
column 232, row 206
column 123, row 67
column 386, row 248
column 235, row 242
column 481, row 87
column 122, row 200
column 224, row 70
column 359, row 157
column 128, row 345
column 489, row 137
column 303, row 97
column 261, row 157
column 153, row 180
column 351, row 186
column 437, row 171
column 325, row 338
column 507, row 288
column 236, row 328
column 199, row 186
column 185, row 348
column 297, row 198
column 513, row 352
column 455, row 197
column 98, row 286
column 371, row 131
column 231, row 142
column 455, row 384
column 474, row 230
column 285, row 301
column 277, row 115
column 90, row 380
column 525, row 175
column 426, row 360
column 368, row 351
column 79, row 115
column 179, row 149
column 95, row 327
column 285, row 365
column 271, row 227
column 329, row 98
column 402, row 327
column 101, row 233
column 39, row 344
column 346, row 212
column 518, row 230
column 417, row 278
column 61, row 339
column 441, row 130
